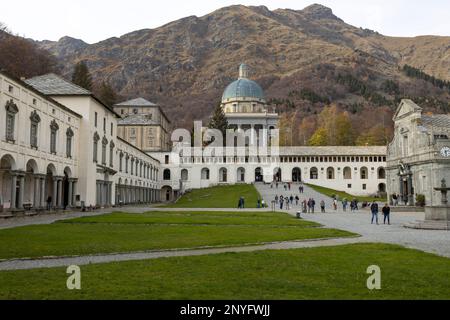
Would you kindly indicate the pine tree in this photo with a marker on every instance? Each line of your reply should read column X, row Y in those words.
column 219, row 121
column 107, row 94
column 81, row 76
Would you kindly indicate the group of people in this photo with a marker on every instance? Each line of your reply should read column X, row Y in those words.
column 354, row 204
column 308, row 205
column 374, row 208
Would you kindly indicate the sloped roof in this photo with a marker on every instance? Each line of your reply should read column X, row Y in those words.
column 137, row 119
column 138, row 102
column 437, row 121
column 52, row 84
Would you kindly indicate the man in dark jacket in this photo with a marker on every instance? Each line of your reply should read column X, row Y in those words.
column 387, row 214
column 374, row 209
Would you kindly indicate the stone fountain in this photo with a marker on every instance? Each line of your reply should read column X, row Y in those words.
column 437, row 217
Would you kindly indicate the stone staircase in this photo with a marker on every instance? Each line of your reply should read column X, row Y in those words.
column 429, row 225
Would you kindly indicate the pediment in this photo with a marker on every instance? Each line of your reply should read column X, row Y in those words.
column 406, row 108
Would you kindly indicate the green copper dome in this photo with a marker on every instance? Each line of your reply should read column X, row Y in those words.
column 243, row 87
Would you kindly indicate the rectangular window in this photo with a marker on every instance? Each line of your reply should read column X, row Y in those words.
column 111, row 157
column 104, row 124
column 69, row 146
column 167, row 159
column 53, row 142
column 364, row 186
column 95, row 151
column 104, row 154
column 112, row 129
column 349, row 186
column 10, row 126
column 95, row 119
column 33, row 135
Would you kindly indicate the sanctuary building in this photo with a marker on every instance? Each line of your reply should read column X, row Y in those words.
column 356, row 170
column 419, row 155
column 59, row 148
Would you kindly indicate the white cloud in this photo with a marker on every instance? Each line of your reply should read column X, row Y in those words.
column 95, row 20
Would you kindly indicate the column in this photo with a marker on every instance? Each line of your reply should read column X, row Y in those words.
column 21, row 191
column 36, row 197
column 74, row 192
column 13, row 190
column 60, row 194
column 410, row 191
column 42, row 181
column 55, row 192
column 70, row 196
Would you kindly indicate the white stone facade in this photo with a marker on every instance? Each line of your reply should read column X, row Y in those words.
column 419, row 155
column 88, row 172
column 355, row 170
column 30, row 171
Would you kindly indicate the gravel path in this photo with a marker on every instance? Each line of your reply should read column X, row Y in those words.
column 85, row 260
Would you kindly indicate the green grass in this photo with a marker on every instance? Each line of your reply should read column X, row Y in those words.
column 114, row 233
column 219, row 197
column 315, row 273
column 343, row 195
column 199, row 218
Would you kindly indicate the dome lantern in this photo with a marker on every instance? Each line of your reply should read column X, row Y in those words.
column 244, row 71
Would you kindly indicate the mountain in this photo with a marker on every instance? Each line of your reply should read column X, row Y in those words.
column 304, row 59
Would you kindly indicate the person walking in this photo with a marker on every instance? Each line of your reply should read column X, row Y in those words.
column 387, row 213
column 287, row 203
column 344, row 205
column 297, row 199
column 276, row 199
column 291, row 199
column 374, row 209
column 281, row 203
column 49, row 203
column 304, row 206
column 322, row 206
column 335, row 204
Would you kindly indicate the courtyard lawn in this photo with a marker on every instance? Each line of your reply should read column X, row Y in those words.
column 219, row 197
column 314, row 273
column 343, row 195
column 199, row 218
column 115, row 233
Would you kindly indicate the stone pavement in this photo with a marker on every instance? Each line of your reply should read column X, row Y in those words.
column 437, row 242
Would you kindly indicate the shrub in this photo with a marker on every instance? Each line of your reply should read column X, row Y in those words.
column 420, row 200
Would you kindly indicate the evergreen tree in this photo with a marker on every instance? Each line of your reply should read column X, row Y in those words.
column 81, row 76
column 107, row 94
column 219, row 121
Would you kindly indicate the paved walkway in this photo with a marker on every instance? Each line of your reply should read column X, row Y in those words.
column 131, row 256
column 437, row 242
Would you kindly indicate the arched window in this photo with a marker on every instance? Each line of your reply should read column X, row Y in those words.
column 35, row 119
column 223, row 175
column 314, row 173
column 11, row 111
column 364, row 173
column 120, row 161
column 104, row 144
column 205, row 174
column 330, row 173
column 69, row 136
column 184, row 175
column 166, row 174
column 95, row 146
column 111, row 153
column 54, row 127
column 381, row 173
column 347, row 173
column 127, row 158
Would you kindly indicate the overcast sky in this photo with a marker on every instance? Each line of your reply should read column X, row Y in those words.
column 96, row 20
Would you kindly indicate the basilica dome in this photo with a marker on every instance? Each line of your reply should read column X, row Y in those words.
column 243, row 88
